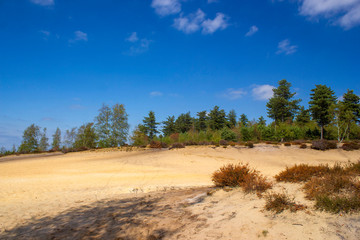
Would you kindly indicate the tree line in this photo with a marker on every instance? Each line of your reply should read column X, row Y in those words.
column 326, row 117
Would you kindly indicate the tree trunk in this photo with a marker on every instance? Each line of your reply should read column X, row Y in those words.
column 322, row 132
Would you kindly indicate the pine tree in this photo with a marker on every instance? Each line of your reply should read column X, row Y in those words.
column 281, row 107
column 217, row 118
column 349, row 110
column 44, row 141
column 201, row 121
column 322, row 101
column 303, row 117
column 184, row 122
column 261, row 121
column 231, row 117
column 30, row 141
column 244, row 121
column 150, row 125
column 169, row 126
column 56, row 140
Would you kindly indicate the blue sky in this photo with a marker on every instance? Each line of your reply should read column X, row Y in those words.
column 61, row 59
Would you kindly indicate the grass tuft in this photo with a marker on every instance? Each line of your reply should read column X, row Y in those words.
column 278, row 202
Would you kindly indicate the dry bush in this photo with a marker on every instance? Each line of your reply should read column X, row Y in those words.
column 303, row 146
column 223, row 142
column 278, row 202
column 353, row 168
column 249, row 144
column 323, row 145
column 232, row 143
column 157, row 144
column 287, row 144
column 205, row 143
column 174, row 137
column 301, row 173
column 177, row 145
column 298, row 142
column 336, row 204
column 241, row 175
column 350, row 146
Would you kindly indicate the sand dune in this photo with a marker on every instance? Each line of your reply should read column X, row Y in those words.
column 45, row 196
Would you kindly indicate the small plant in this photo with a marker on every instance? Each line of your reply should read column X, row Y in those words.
column 157, row 144
column 336, row 204
column 223, row 142
column 241, row 176
column 287, row 144
column 323, row 145
column 232, row 144
column 303, row 146
column 301, row 173
column 249, row 144
column 177, row 145
column 350, row 146
column 278, row 202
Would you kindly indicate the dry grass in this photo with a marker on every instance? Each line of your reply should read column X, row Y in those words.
column 278, row 202
column 241, row 175
column 301, row 173
column 287, row 144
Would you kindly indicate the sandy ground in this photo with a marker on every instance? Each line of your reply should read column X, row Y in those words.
column 158, row 194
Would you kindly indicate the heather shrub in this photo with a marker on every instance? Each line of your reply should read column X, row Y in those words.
column 249, row 144
column 278, row 202
column 177, row 145
column 223, row 142
column 303, row 146
column 232, row 143
column 323, row 145
column 350, row 146
column 158, row 144
column 174, row 137
column 301, row 173
column 287, row 144
column 241, row 176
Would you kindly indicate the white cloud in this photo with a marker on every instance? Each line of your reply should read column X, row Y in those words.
column 286, row 48
column 190, row 23
column 211, row 26
column 139, row 47
column 166, row 7
column 234, row 94
column 345, row 13
column 133, row 37
column 262, row 92
column 156, row 94
column 252, row 31
column 79, row 36
column 43, row 2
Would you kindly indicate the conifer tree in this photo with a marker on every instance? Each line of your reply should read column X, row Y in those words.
column 244, row 121
column 231, row 117
column 282, row 107
column 321, row 104
column 150, row 125
column 217, row 118
column 261, row 121
column 201, row 121
column 303, row 116
column 169, row 126
column 184, row 122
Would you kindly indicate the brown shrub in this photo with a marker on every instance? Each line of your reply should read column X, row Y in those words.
column 278, row 202
column 157, row 144
column 298, row 142
column 241, row 175
column 177, row 145
column 303, row 146
column 323, row 145
column 287, row 144
column 174, row 137
column 350, row 146
column 232, row 143
column 249, row 144
column 301, row 173
column 223, row 142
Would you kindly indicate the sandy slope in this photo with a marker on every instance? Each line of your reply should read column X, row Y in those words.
column 44, row 187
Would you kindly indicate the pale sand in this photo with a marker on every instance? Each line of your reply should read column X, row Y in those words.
column 49, row 193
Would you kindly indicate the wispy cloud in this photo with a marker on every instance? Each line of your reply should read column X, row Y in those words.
column 345, row 13
column 190, row 23
column 45, row 34
column 196, row 21
column 79, row 36
column 43, row 2
column 220, row 22
column 133, row 37
column 286, row 48
column 156, row 94
column 138, row 47
column 252, row 31
column 233, row 93
column 262, row 92
column 166, row 7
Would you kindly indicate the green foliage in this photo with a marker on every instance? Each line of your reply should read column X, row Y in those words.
column 31, row 139
column 281, row 107
column 169, row 126
column 231, row 117
column 138, row 137
column 70, row 136
column 86, row 137
column 303, row 117
column 56, row 140
column 150, row 125
column 217, row 118
column 244, row 121
column 261, row 121
column 201, row 121
column 44, row 144
column 228, row 135
column 322, row 100
column 184, row 122
column 245, row 134
column 112, row 125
